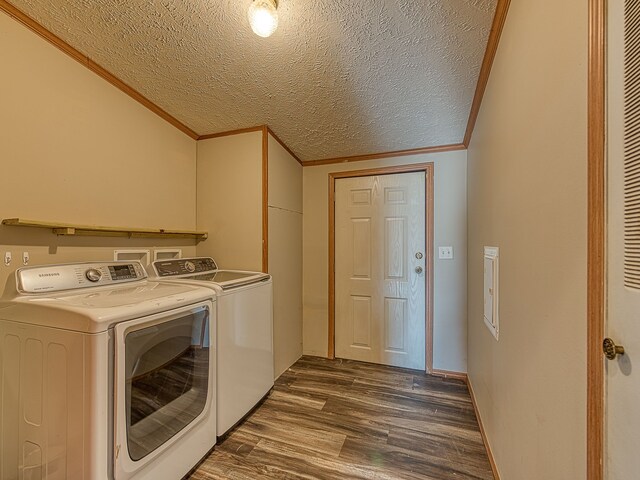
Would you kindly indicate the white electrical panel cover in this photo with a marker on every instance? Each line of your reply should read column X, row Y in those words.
column 491, row 290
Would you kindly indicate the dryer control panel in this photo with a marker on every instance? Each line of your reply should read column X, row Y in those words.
column 55, row 278
column 184, row 266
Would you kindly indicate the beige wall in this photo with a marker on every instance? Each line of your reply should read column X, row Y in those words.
column 75, row 149
column 527, row 195
column 285, row 254
column 450, row 276
column 229, row 201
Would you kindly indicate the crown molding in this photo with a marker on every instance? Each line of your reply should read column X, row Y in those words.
column 284, row 145
column 376, row 156
column 238, row 131
column 499, row 19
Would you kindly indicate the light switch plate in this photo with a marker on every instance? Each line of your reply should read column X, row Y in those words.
column 445, row 253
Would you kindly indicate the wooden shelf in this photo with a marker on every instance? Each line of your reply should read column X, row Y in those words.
column 99, row 231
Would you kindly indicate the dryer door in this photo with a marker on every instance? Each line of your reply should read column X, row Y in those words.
column 163, row 383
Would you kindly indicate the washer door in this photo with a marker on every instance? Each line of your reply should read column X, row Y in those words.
column 163, row 380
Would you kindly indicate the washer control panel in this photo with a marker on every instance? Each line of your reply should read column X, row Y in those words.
column 54, row 278
column 184, row 266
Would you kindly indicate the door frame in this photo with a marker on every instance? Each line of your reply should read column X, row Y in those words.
column 428, row 169
column 596, row 230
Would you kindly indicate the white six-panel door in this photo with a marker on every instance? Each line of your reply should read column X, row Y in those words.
column 380, row 269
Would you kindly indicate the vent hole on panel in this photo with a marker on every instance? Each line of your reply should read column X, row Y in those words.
column 632, row 144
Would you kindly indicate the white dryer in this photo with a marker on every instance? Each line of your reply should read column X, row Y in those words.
column 105, row 375
column 245, row 331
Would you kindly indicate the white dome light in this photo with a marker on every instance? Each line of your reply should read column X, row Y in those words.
column 263, row 17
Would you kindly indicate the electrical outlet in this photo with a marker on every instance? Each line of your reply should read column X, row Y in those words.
column 445, row 253
column 7, row 258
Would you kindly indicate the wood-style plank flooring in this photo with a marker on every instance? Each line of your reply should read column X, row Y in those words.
column 341, row 419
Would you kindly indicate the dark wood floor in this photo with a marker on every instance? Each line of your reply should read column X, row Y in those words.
column 342, row 419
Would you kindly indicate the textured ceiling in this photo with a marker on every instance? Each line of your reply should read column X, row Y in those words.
column 337, row 78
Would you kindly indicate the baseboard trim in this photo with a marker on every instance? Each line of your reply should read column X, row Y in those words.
column 449, row 374
column 485, row 440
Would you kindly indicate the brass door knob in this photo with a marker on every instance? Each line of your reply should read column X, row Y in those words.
column 610, row 349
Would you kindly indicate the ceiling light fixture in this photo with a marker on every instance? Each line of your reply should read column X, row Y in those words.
column 263, row 17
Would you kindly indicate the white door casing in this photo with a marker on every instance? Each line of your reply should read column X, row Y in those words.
column 380, row 269
column 622, row 383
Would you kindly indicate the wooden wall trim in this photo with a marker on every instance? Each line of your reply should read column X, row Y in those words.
column 429, row 248
column 375, row 156
column 483, row 432
column 265, row 199
column 332, row 267
column 487, row 62
column 596, row 238
column 284, row 145
column 257, row 128
column 56, row 41
column 428, row 168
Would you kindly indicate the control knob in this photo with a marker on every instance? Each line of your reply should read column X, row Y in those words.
column 93, row 275
column 190, row 266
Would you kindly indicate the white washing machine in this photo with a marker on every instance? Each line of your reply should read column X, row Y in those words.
column 104, row 375
column 245, row 331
